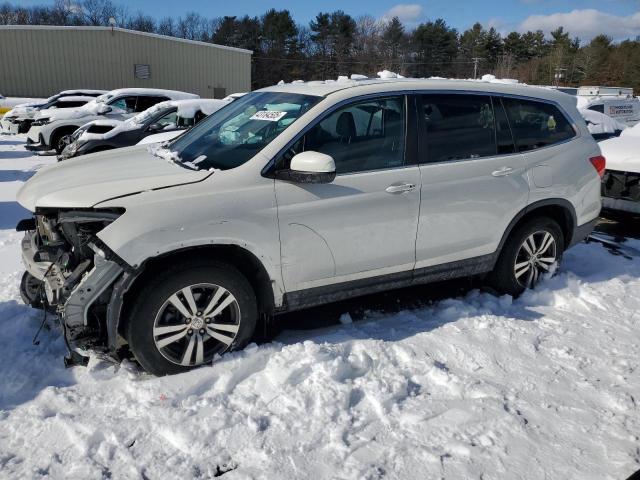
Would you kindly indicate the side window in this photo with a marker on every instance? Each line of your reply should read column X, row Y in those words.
column 145, row 102
column 367, row 135
column 128, row 104
column 168, row 120
column 458, row 127
column 536, row 124
column 597, row 108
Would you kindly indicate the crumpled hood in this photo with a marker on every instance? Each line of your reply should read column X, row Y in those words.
column 86, row 181
column 622, row 153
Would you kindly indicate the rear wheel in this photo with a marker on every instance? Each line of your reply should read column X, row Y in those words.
column 532, row 250
column 188, row 315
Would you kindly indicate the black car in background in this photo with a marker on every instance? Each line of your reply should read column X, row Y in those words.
column 169, row 116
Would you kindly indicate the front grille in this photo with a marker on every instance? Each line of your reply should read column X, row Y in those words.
column 621, row 185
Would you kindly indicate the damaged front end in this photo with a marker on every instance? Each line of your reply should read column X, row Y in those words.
column 75, row 271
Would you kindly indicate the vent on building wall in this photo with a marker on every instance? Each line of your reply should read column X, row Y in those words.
column 219, row 92
column 142, row 71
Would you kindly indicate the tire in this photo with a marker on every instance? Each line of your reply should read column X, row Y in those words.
column 58, row 140
column 164, row 333
column 516, row 269
column 31, row 291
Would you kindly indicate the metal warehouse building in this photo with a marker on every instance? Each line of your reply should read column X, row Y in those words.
column 39, row 61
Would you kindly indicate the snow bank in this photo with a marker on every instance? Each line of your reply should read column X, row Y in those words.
column 545, row 386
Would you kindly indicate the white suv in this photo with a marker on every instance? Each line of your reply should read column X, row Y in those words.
column 51, row 129
column 302, row 194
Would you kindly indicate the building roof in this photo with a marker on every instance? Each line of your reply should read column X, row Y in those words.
column 123, row 30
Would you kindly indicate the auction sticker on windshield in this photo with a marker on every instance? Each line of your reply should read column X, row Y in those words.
column 268, row 115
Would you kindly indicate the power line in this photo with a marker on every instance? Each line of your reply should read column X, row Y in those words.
column 376, row 62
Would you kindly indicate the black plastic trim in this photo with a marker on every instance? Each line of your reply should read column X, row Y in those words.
column 300, row 299
column 549, row 202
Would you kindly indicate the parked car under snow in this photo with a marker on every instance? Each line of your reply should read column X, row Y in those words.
column 20, row 117
column 601, row 126
column 167, row 117
column 51, row 130
column 621, row 181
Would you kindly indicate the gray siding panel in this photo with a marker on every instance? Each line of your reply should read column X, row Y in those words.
column 39, row 62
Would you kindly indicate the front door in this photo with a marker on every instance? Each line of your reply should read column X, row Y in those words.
column 364, row 223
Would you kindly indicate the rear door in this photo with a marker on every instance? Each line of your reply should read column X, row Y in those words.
column 364, row 223
column 473, row 180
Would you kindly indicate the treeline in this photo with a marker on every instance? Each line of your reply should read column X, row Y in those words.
column 334, row 43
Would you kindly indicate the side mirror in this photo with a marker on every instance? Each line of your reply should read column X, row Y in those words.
column 104, row 109
column 310, row 167
column 155, row 127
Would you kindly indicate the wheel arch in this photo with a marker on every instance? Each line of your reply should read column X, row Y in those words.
column 59, row 131
column 242, row 259
column 558, row 209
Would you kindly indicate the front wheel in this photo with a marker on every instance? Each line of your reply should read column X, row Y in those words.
column 532, row 250
column 188, row 315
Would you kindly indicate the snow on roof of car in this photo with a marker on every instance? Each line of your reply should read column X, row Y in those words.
column 388, row 81
column 172, row 94
column 81, row 91
column 76, row 98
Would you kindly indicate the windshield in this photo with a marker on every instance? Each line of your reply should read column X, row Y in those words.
column 234, row 134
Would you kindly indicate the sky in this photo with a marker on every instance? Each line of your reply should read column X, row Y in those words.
column 584, row 18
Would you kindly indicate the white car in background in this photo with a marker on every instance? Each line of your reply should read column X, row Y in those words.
column 618, row 103
column 172, row 117
column 20, row 117
column 170, row 135
column 621, row 181
column 51, row 128
column 602, row 126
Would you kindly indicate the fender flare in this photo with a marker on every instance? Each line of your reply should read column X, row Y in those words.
column 548, row 202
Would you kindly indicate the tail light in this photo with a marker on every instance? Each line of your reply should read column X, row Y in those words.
column 599, row 163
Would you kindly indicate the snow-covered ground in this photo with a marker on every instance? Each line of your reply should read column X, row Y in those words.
column 478, row 387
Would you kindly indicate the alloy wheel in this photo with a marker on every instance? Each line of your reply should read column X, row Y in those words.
column 196, row 323
column 536, row 256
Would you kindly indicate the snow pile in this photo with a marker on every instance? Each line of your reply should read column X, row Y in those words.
column 492, row 79
column 545, row 386
column 599, row 123
column 384, row 74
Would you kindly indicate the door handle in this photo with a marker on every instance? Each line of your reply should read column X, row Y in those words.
column 503, row 172
column 400, row 188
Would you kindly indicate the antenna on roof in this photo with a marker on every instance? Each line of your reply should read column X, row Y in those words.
column 112, row 23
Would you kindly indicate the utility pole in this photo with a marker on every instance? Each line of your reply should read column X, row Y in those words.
column 476, row 60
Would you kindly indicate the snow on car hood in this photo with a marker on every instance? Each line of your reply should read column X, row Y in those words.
column 622, row 153
column 91, row 179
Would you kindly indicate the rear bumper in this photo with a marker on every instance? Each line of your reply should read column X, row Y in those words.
column 581, row 232
column 621, row 205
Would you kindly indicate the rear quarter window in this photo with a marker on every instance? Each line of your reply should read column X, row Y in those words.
column 537, row 124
